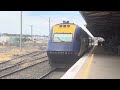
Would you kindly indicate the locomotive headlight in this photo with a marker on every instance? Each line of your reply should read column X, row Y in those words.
column 65, row 52
column 61, row 53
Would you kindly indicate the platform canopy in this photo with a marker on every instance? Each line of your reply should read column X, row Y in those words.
column 102, row 23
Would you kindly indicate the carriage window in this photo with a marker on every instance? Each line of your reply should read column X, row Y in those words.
column 62, row 38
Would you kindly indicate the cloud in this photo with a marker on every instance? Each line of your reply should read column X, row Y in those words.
column 67, row 12
column 10, row 21
column 40, row 25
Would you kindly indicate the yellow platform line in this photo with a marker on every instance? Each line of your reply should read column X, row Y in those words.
column 88, row 67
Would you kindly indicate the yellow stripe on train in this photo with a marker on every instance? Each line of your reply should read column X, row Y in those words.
column 58, row 29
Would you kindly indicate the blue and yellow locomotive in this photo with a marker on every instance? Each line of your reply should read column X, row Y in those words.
column 67, row 42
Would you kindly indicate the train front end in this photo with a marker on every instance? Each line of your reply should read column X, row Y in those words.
column 62, row 48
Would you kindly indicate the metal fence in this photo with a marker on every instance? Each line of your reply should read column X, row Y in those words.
column 39, row 43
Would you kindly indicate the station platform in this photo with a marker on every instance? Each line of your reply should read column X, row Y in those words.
column 100, row 64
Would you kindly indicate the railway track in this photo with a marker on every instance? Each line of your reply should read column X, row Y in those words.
column 46, row 74
column 24, row 55
column 24, row 63
column 54, row 73
column 12, row 70
column 32, row 72
column 35, row 70
column 18, row 60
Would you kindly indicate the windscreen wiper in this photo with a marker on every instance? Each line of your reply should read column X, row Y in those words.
column 60, row 40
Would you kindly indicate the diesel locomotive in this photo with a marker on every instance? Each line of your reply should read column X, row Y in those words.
column 67, row 42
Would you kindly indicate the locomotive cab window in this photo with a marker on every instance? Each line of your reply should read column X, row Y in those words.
column 62, row 37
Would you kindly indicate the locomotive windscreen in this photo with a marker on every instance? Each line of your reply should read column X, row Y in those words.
column 65, row 37
column 63, row 33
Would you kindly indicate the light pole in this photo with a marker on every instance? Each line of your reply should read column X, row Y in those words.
column 21, row 32
column 31, row 27
column 31, row 32
column 49, row 24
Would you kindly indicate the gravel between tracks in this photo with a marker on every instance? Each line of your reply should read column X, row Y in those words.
column 25, row 59
column 57, row 74
column 31, row 72
column 22, row 66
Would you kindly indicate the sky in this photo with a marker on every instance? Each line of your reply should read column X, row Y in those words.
column 10, row 21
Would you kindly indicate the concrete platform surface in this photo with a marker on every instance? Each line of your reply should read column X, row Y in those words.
column 102, row 65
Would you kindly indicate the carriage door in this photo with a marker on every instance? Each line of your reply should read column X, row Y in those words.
column 81, row 42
